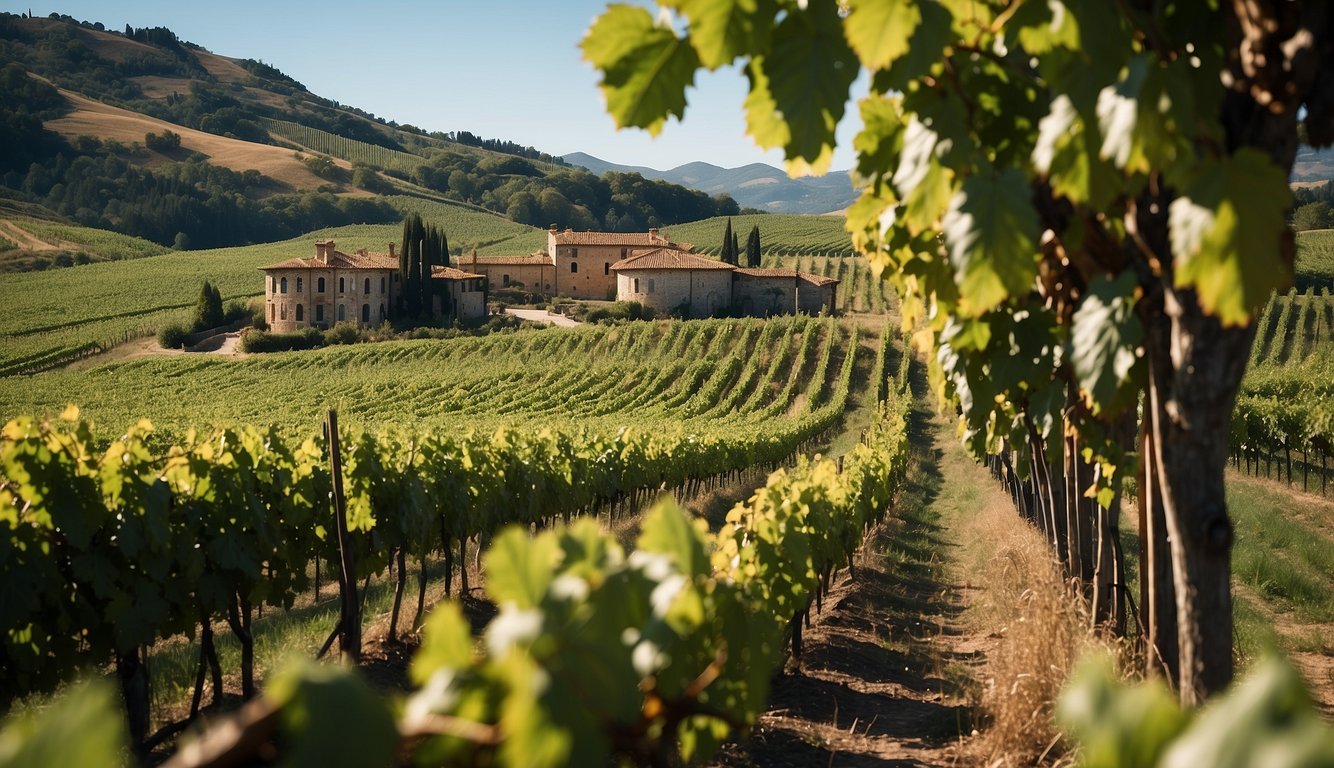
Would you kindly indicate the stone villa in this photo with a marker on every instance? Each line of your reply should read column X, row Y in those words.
column 652, row 270
column 333, row 287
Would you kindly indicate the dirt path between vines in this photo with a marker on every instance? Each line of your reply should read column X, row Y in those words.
column 891, row 668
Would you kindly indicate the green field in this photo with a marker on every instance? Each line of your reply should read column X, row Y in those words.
column 70, row 239
column 57, row 311
column 54, row 314
column 632, row 372
column 1315, row 259
column 780, row 233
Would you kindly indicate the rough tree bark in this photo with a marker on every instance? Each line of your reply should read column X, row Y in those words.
column 1279, row 58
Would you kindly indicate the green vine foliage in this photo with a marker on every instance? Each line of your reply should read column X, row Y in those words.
column 1004, row 145
column 596, row 654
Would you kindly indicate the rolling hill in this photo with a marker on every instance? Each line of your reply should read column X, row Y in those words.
column 152, row 136
column 757, row 185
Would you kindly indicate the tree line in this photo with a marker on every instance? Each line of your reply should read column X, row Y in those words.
column 1313, row 207
column 570, row 197
column 188, row 204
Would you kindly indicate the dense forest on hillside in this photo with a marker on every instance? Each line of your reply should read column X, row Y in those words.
column 188, row 202
column 1313, row 207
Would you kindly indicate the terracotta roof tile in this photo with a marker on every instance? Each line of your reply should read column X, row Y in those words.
column 526, row 259
column 816, row 279
column 570, row 237
column 340, row 260
column 668, row 258
column 449, row 273
column 767, row 272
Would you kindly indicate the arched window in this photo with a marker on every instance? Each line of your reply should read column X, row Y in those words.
column 574, row 266
column 382, row 285
column 341, row 287
column 283, row 286
column 365, row 313
column 368, row 286
column 298, row 285
column 300, row 312
column 319, row 285
column 342, row 312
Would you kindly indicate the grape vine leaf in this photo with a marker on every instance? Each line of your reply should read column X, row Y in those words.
column 991, row 232
column 879, row 30
column 519, row 568
column 84, row 727
column 1105, row 335
column 645, row 67
column 446, row 642
column 1268, row 719
column 721, row 30
column 1118, row 727
column 1223, row 228
column 667, row 530
column 319, row 706
column 799, row 90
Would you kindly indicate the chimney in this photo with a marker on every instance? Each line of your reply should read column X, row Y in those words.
column 323, row 250
column 392, row 255
column 552, row 228
column 362, row 252
column 653, row 232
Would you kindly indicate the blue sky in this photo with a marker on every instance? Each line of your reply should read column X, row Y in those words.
column 506, row 69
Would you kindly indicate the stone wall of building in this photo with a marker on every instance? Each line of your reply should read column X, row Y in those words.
column 707, row 292
column 816, row 299
column 304, row 305
column 756, row 296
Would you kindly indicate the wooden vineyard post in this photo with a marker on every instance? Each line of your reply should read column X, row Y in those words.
column 349, row 621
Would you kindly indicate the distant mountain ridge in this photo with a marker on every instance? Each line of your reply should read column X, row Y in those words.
column 756, row 185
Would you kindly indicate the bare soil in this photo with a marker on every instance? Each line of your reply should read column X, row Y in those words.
column 890, row 670
column 28, row 241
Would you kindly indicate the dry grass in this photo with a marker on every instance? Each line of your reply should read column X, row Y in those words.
column 1039, row 627
column 92, row 118
column 1042, row 633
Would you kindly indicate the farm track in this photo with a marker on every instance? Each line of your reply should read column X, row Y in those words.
column 887, row 675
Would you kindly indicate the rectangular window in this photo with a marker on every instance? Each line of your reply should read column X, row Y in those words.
column 650, row 285
column 319, row 313
column 298, row 285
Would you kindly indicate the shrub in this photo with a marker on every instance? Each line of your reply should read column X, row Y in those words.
column 208, row 310
column 173, row 336
column 342, row 333
column 263, row 341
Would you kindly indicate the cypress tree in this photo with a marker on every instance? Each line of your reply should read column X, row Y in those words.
column 753, row 247
column 736, row 249
column 729, row 242
column 430, row 245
